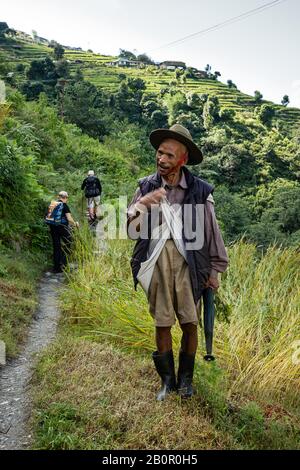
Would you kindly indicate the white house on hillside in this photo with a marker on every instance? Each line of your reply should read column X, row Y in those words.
column 121, row 62
column 172, row 65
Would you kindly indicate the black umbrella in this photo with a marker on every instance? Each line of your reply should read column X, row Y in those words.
column 209, row 318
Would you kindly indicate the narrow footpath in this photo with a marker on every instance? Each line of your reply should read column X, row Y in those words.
column 15, row 402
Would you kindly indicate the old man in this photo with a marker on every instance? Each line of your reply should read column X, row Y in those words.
column 178, row 253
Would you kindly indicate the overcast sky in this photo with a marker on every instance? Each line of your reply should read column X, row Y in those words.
column 257, row 53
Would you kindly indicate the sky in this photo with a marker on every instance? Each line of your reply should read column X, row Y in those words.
column 258, row 53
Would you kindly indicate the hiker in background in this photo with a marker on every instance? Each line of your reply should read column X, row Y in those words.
column 92, row 190
column 60, row 220
column 169, row 210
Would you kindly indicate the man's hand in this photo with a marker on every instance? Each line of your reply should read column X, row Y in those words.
column 213, row 283
column 153, row 198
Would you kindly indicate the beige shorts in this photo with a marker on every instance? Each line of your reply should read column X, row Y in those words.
column 93, row 201
column 170, row 293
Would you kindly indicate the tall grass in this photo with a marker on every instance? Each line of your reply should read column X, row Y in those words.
column 255, row 348
column 100, row 297
column 258, row 344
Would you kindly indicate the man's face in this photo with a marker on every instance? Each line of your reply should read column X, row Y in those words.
column 171, row 155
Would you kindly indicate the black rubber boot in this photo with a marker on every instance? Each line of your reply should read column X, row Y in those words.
column 185, row 374
column 164, row 364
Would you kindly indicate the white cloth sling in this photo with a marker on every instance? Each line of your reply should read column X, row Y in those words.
column 171, row 227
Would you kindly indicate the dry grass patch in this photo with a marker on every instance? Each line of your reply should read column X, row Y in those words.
column 92, row 396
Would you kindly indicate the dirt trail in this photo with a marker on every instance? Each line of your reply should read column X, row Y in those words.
column 15, row 376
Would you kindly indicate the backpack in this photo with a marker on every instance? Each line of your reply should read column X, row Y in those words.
column 54, row 216
column 91, row 188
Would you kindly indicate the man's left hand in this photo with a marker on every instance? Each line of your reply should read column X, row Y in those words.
column 213, row 283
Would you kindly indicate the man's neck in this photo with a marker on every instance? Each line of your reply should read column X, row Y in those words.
column 174, row 178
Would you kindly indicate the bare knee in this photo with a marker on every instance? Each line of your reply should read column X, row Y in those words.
column 189, row 328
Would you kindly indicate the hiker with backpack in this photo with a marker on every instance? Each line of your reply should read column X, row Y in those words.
column 60, row 220
column 92, row 190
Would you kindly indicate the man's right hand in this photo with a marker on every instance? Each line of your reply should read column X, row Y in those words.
column 153, row 198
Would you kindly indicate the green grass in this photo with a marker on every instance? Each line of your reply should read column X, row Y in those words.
column 94, row 396
column 255, row 347
column 19, row 273
column 100, row 373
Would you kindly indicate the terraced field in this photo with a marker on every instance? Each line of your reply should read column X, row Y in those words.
column 95, row 70
column 23, row 52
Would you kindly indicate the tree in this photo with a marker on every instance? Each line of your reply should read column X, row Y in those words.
column 258, row 97
column 20, row 68
column 62, row 69
column 227, row 114
column 145, row 59
column 32, row 90
column 238, row 166
column 3, row 28
column 85, row 106
column 78, row 77
column 137, row 87
column 231, row 84
column 159, row 118
column 123, row 54
column 194, row 101
column 285, row 100
column 280, row 220
column 211, row 111
column 216, row 75
column 58, row 52
column 42, row 70
column 190, row 72
column 265, row 114
column 176, row 105
column 136, row 84
column 177, row 74
column 44, row 76
column 233, row 212
column 192, row 121
column 149, row 106
column 208, row 69
column 173, row 83
column 127, row 100
column 52, row 43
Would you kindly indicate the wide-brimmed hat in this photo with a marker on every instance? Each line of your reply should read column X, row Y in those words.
column 181, row 134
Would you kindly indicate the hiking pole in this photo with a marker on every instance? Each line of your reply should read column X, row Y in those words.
column 209, row 318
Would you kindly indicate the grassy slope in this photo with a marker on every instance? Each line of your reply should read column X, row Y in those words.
column 95, row 70
column 102, row 395
column 93, row 396
column 18, row 277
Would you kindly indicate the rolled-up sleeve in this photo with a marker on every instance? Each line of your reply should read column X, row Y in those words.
column 216, row 247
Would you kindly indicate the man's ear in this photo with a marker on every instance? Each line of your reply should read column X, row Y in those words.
column 184, row 158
